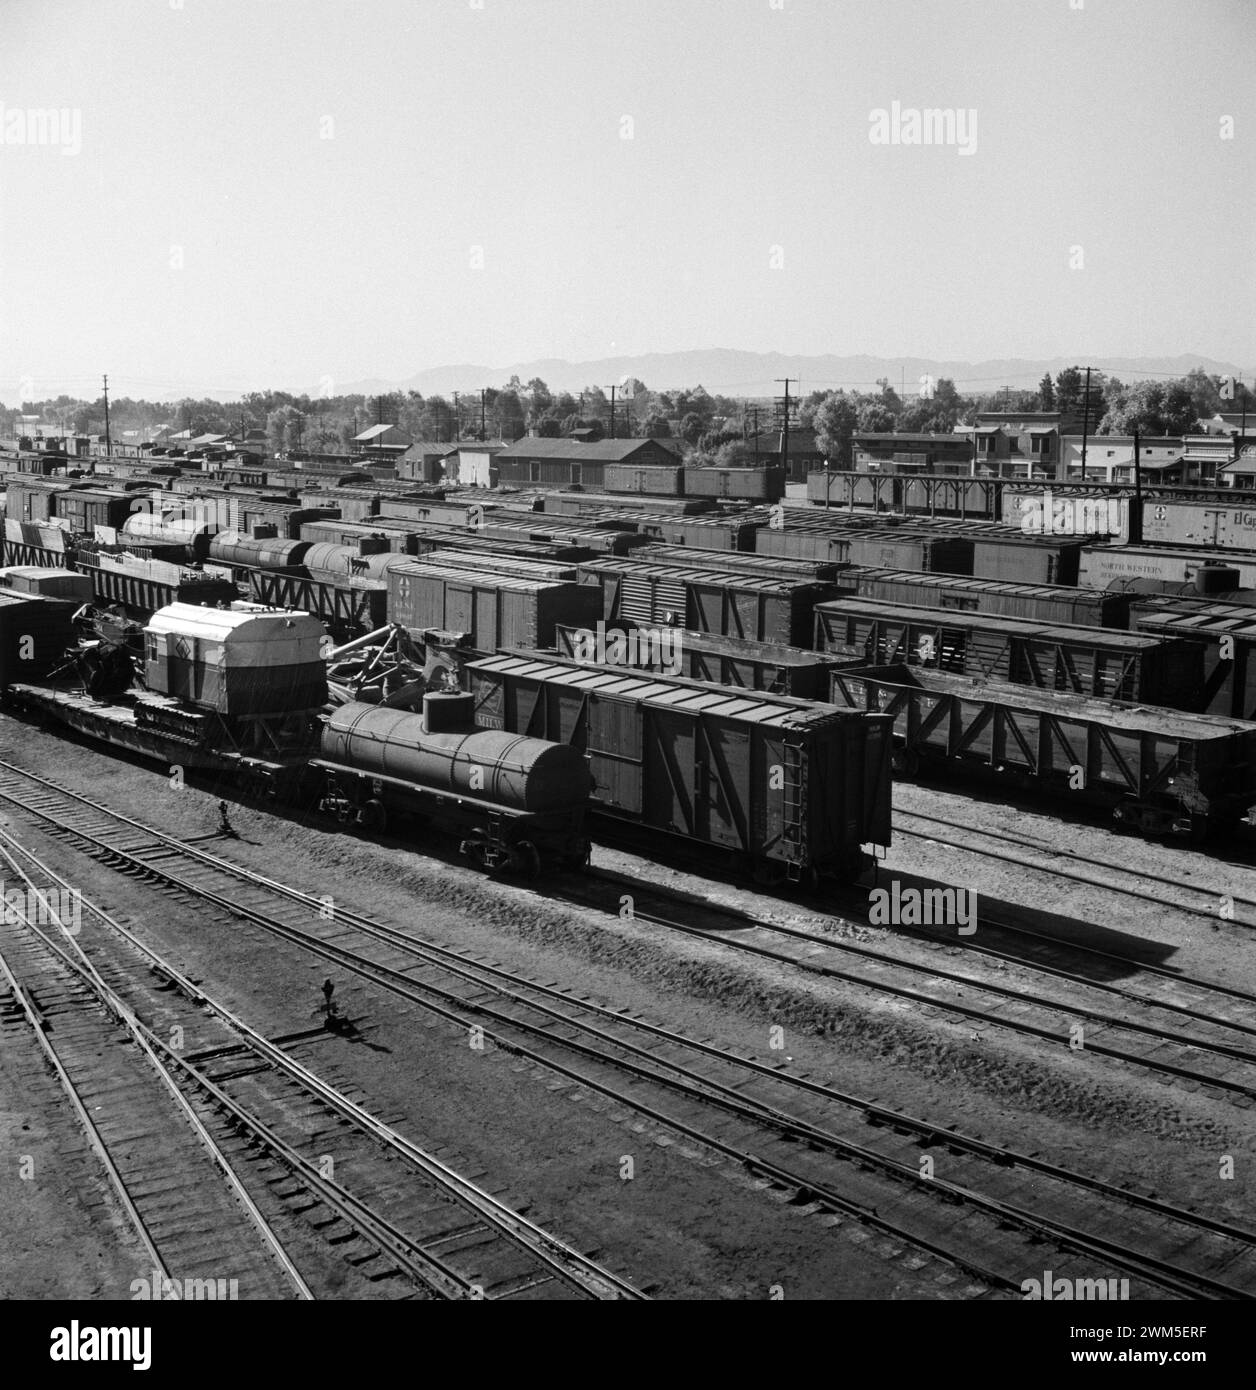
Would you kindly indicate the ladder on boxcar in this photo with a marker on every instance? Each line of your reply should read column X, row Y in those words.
column 794, row 808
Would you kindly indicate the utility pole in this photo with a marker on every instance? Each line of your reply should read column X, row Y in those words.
column 1136, row 521
column 108, row 436
column 1085, row 421
column 483, row 415
column 785, row 424
column 457, row 417
column 613, row 389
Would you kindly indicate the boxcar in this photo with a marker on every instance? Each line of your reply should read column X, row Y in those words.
column 488, row 563
column 353, row 504
column 32, row 498
column 895, row 549
column 784, row 786
column 83, row 509
column 35, row 634
column 590, row 503
column 702, row 656
column 1161, row 771
column 728, row 605
column 762, row 484
column 1102, row 662
column 1225, row 636
column 1053, row 603
column 1103, row 565
column 1225, row 525
column 735, row 533
column 493, row 610
column 741, row 562
column 660, row 479
column 1026, row 559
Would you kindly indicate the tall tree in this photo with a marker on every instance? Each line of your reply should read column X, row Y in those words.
column 835, row 422
column 1046, row 393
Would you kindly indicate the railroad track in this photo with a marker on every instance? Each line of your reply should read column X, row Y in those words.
column 944, row 831
column 421, row 1221
column 1220, row 1054
column 786, row 1128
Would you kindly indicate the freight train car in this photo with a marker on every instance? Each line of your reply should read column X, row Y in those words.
column 764, row 484
column 1163, row 772
column 1220, row 524
column 35, row 633
column 190, row 534
column 728, row 605
column 83, row 509
column 741, row 562
column 803, row 538
column 1094, row 661
column 730, row 533
column 922, row 494
column 1052, row 603
column 589, row 504
column 490, row 610
column 30, row 543
column 487, row 563
column 701, row 656
column 788, row 788
column 140, row 587
column 660, row 480
column 347, row 607
column 241, row 551
column 1102, row 565
column 519, row 803
column 1225, row 636
column 33, row 499
column 1043, row 509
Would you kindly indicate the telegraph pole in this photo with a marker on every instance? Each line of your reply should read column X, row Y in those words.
column 785, row 423
column 1085, row 421
column 483, row 414
column 1136, row 521
column 108, row 436
column 613, row 389
column 457, row 418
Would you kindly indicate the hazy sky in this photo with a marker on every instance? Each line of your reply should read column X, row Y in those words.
column 279, row 192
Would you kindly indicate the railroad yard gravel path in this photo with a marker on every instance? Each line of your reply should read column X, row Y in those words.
column 686, row 1224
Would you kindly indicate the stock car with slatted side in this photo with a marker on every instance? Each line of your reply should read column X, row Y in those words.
column 1162, row 772
column 1102, row 662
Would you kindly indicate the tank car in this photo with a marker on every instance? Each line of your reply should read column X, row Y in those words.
column 519, row 803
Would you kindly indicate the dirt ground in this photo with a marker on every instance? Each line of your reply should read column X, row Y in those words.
column 686, row 1225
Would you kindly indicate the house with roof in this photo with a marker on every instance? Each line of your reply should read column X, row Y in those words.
column 426, row 462
column 1240, row 472
column 1110, row 458
column 535, row 462
column 879, row 452
column 382, row 441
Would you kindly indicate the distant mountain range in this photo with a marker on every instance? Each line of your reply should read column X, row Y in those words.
column 729, row 372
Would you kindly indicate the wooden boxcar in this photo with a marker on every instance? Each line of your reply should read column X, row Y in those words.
column 1225, row 525
column 1161, row 771
column 1102, row 662
column 588, row 503
column 493, row 610
column 661, row 480
column 728, row 605
column 725, row 661
column 83, row 509
column 763, row 484
column 741, row 562
column 802, row 538
column 1052, row 603
column 783, row 786
column 35, row 634
column 1103, row 565
column 1225, row 636
column 735, row 533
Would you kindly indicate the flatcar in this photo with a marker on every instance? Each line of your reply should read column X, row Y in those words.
column 1162, row 772
column 788, row 788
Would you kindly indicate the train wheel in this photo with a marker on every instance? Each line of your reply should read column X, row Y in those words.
column 529, row 859
column 905, row 763
column 373, row 817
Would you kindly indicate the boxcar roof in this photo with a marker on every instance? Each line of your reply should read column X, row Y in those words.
column 688, row 574
column 673, row 692
column 998, row 586
column 1076, row 633
column 492, row 578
